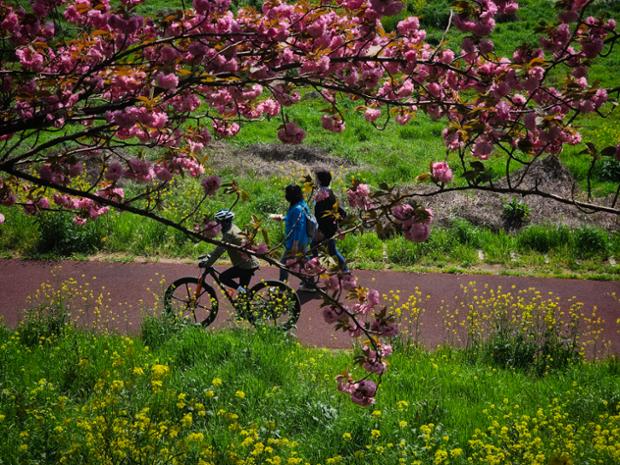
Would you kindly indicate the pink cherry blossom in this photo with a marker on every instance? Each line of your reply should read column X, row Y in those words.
column 416, row 232
column 332, row 123
column 211, row 229
column 167, row 81
column 261, row 249
column 162, row 173
column 1, row 218
column 363, row 393
column 372, row 114
column 332, row 314
column 482, row 148
column 360, row 197
column 211, row 184
column 114, row 171
column 290, row 133
column 373, row 297
column 30, row 59
column 402, row 212
column 441, row 172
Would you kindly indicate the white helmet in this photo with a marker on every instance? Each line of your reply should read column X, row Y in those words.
column 224, row 215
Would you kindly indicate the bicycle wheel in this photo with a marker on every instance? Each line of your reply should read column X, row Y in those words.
column 181, row 301
column 272, row 303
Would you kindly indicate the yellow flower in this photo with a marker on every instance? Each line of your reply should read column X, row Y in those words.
column 195, row 437
column 2, row 417
column 402, row 424
column 210, row 393
column 375, row 433
column 457, row 452
column 216, row 382
column 159, row 371
column 138, row 371
column 240, row 394
column 346, row 436
column 376, row 413
column 187, row 420
column 117, row 385
column 440, row 456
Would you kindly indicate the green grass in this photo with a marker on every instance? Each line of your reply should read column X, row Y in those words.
column 543, row 250
column 66, row 385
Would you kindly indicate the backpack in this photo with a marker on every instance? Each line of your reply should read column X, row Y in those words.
column 312, row 225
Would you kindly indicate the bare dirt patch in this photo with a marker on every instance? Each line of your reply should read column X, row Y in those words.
column 479, row 208
column 274, row 159
column 548, row 175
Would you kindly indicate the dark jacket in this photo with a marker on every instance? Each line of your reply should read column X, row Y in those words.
column 323, row 210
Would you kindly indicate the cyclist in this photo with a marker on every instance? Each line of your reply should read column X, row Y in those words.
column 244, row 265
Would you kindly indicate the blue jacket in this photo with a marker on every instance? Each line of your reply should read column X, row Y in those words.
column 295, row 226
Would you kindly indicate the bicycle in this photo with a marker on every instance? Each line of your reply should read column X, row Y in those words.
column 267, row 302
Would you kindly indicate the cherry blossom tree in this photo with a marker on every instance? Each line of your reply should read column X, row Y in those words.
column 96, row 98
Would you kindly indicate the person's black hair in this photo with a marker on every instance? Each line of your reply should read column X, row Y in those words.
column 324, row 177
column 293, row 194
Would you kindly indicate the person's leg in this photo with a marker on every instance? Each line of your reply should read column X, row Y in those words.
column 333, row 251
column 245, row 276
column 228, row 277
column 314, row 247
column 284, row 273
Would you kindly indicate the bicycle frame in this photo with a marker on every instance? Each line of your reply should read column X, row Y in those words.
column 216, row 278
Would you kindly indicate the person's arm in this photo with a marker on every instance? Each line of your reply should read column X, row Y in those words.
column 213, row 256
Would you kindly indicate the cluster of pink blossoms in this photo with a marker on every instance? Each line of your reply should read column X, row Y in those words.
column 441, row 172
column 291, row 133
column 359, row 197
column 415, row 222
column 361, row 392
column 364, row 315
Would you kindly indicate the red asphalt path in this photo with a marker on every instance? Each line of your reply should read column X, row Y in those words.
column 130, row 291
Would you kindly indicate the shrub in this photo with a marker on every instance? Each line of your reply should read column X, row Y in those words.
column 44, row 323
column 465, row 233
column 591, row 242
column 402, row 252
column 155, row 331
column 521, row 329
column 515, row 214
column 608, row 170
column 59, row 235
column 544, row 238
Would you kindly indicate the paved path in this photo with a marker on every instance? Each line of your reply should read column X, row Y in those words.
column 131, row 289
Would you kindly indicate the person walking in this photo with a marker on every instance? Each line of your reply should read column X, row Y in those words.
column 244, row 265
column 327, row 212
column 296, row 238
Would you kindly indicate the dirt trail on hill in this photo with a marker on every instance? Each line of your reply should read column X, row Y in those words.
column 130, row 291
